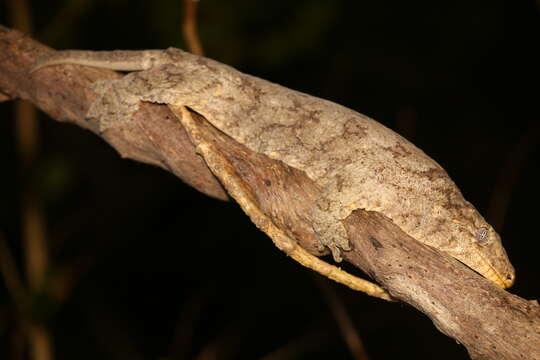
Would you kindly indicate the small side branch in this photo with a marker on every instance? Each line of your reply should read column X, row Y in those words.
column 189, row 27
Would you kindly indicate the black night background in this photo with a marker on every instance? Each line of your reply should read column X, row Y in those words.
column 159, row 271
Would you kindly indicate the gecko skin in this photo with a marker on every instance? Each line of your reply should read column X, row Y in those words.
column 357, row 162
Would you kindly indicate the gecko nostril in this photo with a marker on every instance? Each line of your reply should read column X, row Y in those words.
column 510, row 279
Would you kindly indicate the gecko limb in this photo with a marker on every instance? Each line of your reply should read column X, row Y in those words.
column 120, row 60
column 243, row 194
column 119, row 98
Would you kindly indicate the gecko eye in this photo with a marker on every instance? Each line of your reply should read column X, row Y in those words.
column 482, row 235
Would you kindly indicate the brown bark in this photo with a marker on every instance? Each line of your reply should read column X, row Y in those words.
column 491, row 323
column 154, row 136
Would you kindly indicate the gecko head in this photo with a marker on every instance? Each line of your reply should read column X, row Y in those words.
column 483, row 250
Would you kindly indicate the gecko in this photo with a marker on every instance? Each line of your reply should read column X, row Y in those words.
column 357, row 162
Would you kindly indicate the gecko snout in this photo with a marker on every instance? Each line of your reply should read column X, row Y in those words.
column 509, row 280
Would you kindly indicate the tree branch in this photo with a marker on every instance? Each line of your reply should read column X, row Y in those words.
column 491, row 323
column 155, row 136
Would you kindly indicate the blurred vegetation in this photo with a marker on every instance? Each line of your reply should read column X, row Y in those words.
column 144, row 267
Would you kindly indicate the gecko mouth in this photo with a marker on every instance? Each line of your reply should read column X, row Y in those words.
column 489, row 272
column 503, row 281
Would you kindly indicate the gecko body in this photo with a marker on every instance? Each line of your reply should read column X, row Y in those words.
column 357, row 162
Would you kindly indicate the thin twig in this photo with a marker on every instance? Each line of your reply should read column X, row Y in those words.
column 9, row 271
column 189, row 27
column 190, row 315
column 310, row 342
column 350, row 334
column 41, row 342
column 33, row 222
column 227, row 343
column 27, row 145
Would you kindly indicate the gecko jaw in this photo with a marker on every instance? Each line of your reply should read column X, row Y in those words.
column 501, row 281
column 490, row 273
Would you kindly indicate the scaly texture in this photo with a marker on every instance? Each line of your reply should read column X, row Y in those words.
column 359, row 163
column 208, row 142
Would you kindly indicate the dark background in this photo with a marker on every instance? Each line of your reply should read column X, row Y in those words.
column 154, row 259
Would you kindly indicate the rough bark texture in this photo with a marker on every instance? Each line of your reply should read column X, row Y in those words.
column 490, row 322
column 154, row 137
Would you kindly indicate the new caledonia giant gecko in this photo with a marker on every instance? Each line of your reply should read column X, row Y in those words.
column 357, row 162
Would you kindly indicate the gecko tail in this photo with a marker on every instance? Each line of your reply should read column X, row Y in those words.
column 118, row 60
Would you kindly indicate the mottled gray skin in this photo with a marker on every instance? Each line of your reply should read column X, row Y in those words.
column 357, row 162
